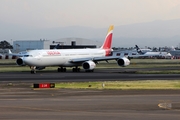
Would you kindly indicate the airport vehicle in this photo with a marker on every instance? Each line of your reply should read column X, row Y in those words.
column 87, row 58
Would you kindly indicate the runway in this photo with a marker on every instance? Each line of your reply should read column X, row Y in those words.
column 97, row 75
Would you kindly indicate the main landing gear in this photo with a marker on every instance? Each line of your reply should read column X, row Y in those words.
column 62, row 69
column 89, row 70
column 76, row 69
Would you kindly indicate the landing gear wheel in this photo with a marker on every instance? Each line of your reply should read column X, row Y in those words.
column 61, row 69
column 33, row 72
column 76, row 69
column 89, row 70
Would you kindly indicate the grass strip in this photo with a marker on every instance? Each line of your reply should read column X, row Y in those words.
column 122, row 85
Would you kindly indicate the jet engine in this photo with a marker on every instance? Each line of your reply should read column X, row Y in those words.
column 89, row 65
column 123, row 62
column 20, row 62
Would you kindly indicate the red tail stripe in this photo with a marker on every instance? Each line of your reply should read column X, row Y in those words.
column 108, row 42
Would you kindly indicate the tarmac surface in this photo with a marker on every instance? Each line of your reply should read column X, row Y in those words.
column 18, row 101
column 23, row 103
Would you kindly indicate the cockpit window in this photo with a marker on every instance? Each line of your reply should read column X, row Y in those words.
column 27, row 55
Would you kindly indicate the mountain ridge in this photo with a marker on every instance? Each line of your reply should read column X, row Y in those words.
column 155, row 33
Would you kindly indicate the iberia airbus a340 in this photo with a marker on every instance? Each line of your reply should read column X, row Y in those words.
column 87, row 58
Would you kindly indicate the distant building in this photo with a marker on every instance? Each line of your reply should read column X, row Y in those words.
column 23, row 45
column 64, row 43
column 78, row 41
column 72, row 46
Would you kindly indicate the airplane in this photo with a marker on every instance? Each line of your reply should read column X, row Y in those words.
column 87, row 58
column 150, row 53
column 20, row 54
column 142, row 51
column 6, row 56
column 11, row 55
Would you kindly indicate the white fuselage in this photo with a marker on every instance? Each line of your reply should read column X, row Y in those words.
column 62, row 57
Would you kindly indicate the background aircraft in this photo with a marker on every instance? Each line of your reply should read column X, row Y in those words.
column 20, row 54
column 142, row 51
column 7, row 56
column 150, row 53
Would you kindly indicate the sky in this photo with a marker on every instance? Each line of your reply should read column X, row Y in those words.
column 89, row 13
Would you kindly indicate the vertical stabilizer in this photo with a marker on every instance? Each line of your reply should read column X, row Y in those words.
column 138, row 50
column 108, row 40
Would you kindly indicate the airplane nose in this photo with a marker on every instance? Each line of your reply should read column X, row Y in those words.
column 31, row 61
column 26, row 60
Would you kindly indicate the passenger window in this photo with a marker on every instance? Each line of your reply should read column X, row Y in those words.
column 125, row 53
column 26, row 55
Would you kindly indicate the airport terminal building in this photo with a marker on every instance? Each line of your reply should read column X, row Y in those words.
column 64, row 43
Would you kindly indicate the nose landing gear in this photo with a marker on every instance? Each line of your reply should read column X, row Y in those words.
column 33, row 69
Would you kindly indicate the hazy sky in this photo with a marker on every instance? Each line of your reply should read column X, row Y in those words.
column 91, row 13
column 94, row 13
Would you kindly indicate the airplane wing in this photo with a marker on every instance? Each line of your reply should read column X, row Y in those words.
column 121, row 61
column 95, row 59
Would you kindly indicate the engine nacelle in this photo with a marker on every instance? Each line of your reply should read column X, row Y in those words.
column 20, row 62
column 123, row 62
column 89, row 65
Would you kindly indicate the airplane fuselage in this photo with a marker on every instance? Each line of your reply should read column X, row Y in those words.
column 62, row 57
